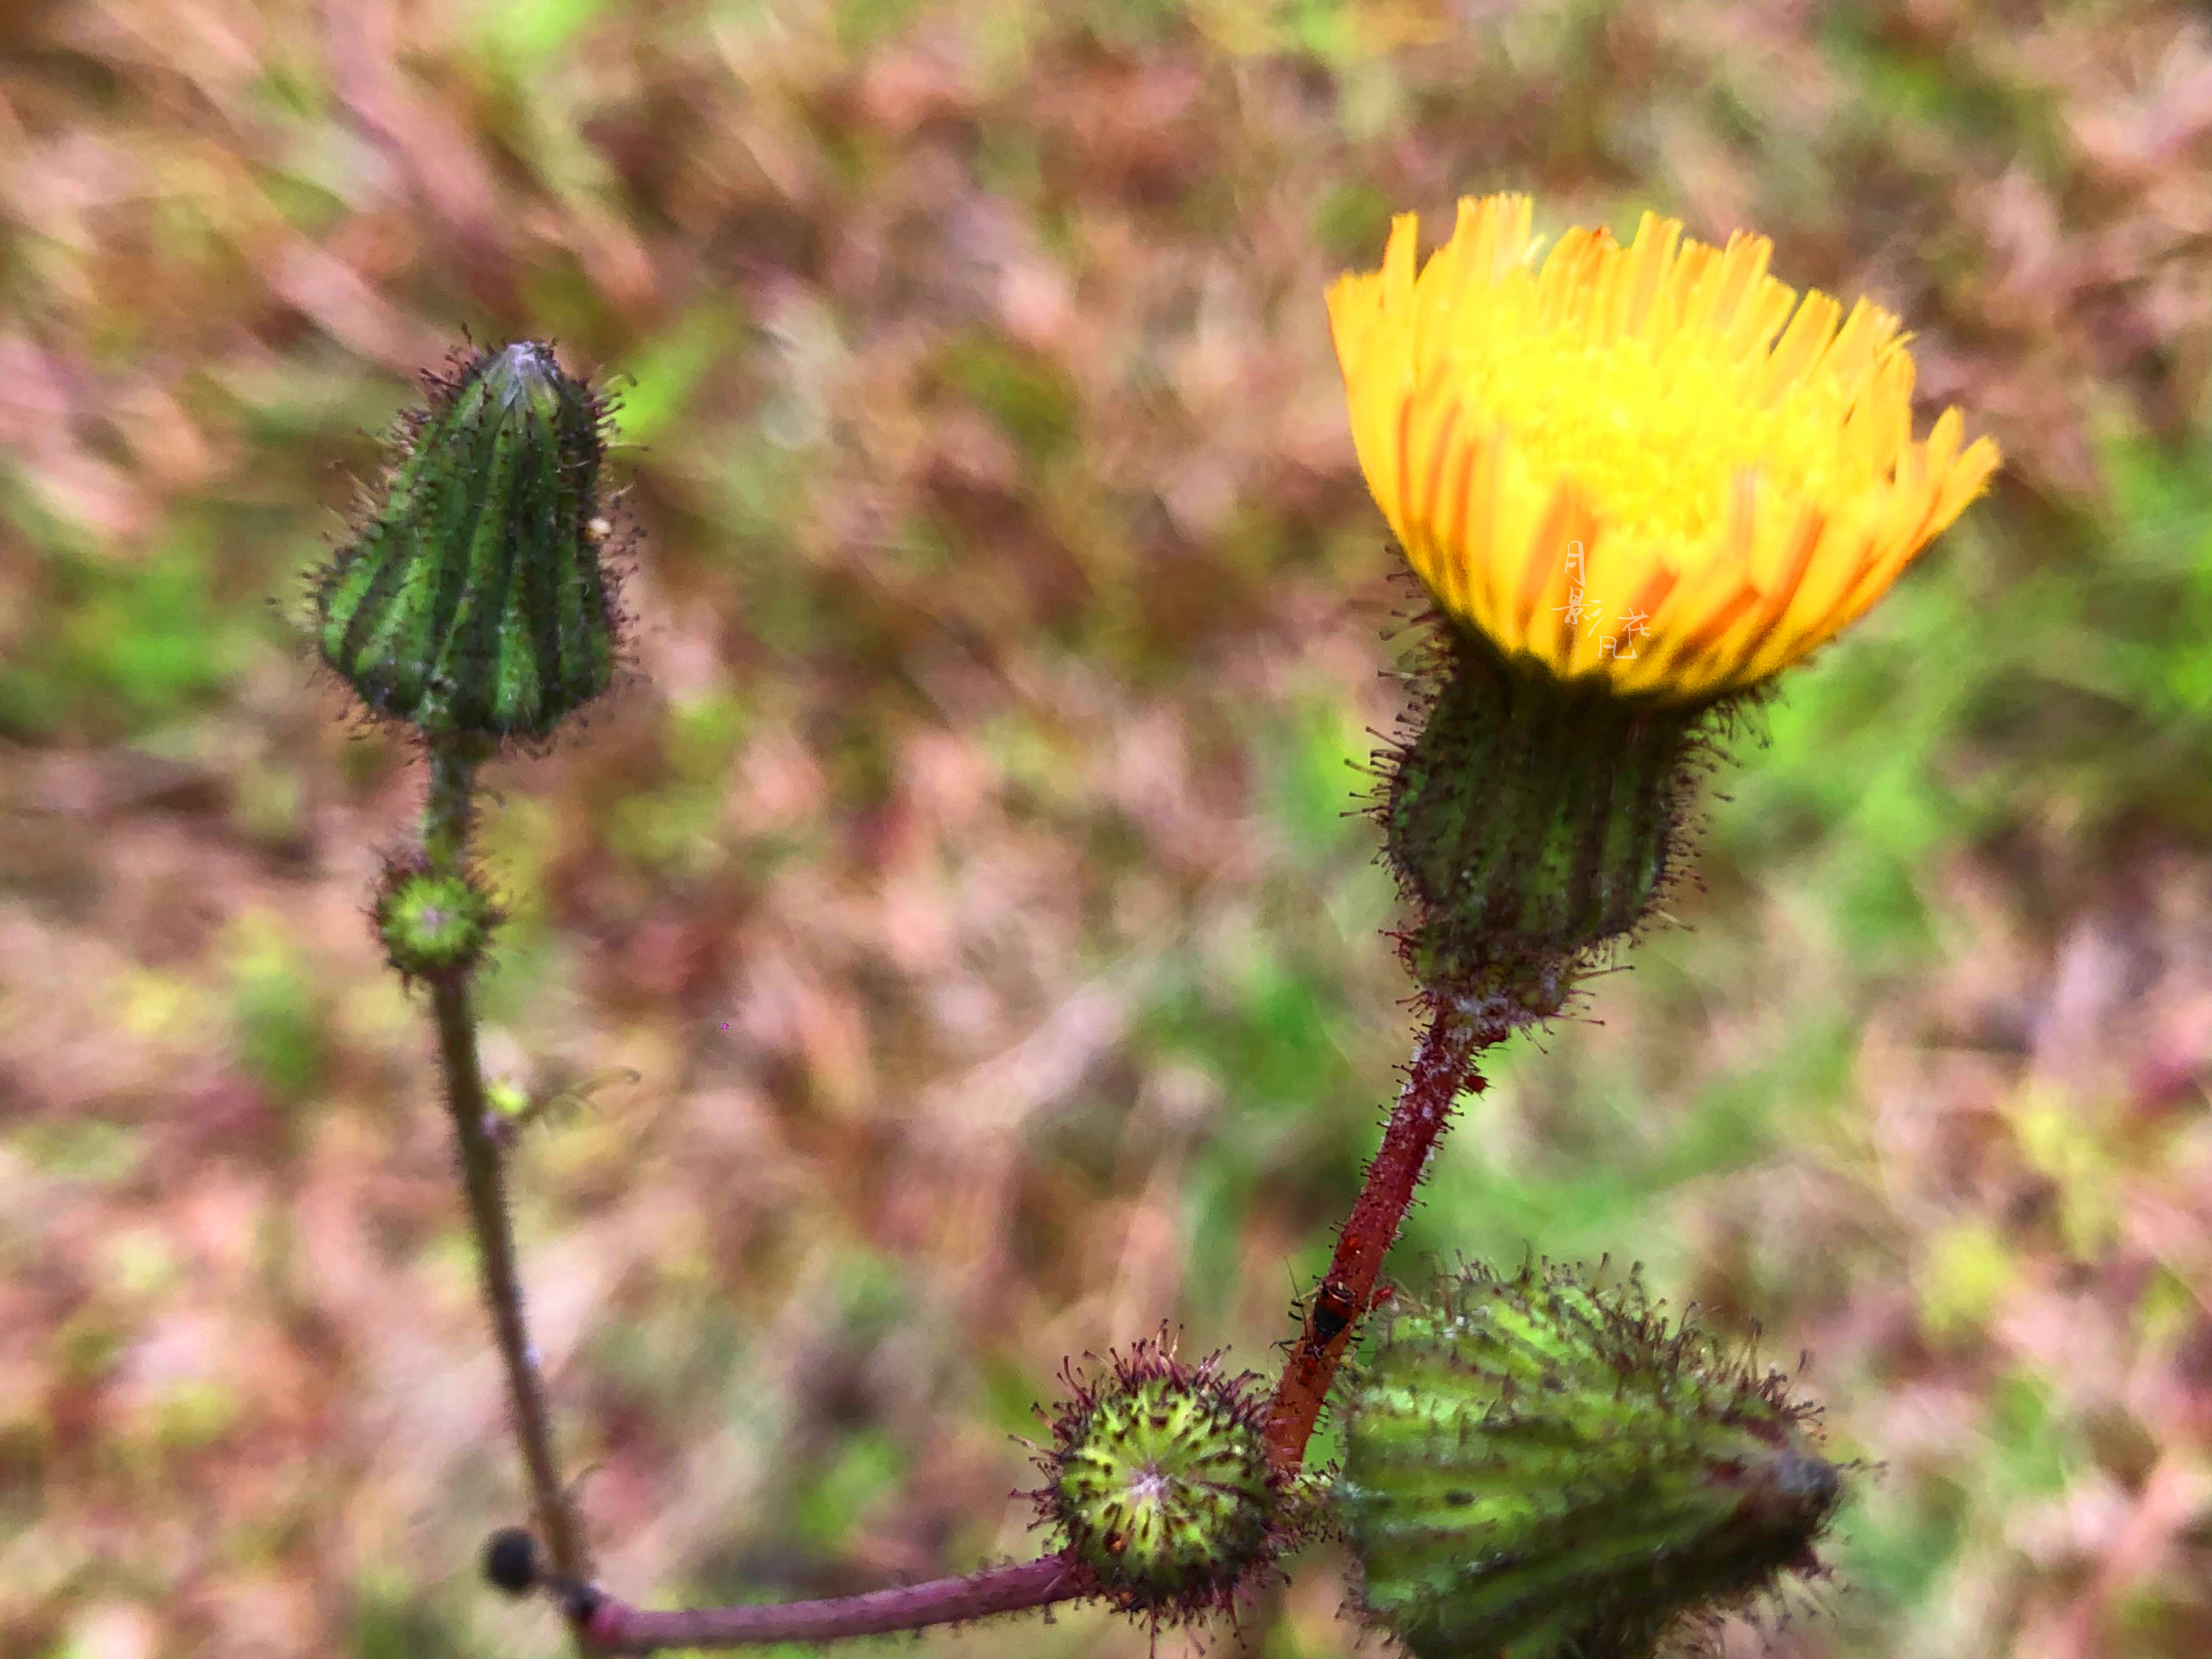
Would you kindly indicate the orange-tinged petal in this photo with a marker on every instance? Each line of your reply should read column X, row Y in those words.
column 1655, row 464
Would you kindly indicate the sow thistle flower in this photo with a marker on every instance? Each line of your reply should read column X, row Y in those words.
column 1638, row 483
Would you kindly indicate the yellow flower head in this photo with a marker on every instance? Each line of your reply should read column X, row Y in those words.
column 1653, row 464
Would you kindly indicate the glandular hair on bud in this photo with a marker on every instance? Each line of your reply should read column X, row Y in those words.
column 1529, row 820
column 473, row 599
column 433, row 924
column 1541, row 1468
column 1159, row 1484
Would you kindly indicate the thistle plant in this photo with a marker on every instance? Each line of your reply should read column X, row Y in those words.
column 1635, row 485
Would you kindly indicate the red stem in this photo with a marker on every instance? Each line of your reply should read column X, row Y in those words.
column 607, row 1625
column 1442, row 1065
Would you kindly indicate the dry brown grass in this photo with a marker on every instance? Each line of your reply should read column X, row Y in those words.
column 963, row 879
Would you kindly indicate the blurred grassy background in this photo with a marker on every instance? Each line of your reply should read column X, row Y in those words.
column 968, row 877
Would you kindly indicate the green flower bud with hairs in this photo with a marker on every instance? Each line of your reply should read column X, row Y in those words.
column 474, row 601
column 1159, row 1482
column 433, row 924
column 1540, row 1468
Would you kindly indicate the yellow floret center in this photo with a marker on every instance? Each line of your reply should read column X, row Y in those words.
column 1658, row 444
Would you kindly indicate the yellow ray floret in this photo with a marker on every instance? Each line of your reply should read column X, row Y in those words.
column 1651, row 464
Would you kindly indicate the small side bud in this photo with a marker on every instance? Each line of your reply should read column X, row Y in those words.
column 1528, row 821
column 433, row 925
column 473, row 601
column 1538, row 1468
column 510, row 1561
column 1159, row 1479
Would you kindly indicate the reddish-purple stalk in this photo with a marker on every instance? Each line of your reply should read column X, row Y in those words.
column 1442, row 1065
column 606, row 1625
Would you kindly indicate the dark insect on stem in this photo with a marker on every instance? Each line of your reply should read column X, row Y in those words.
column 1333, row 1309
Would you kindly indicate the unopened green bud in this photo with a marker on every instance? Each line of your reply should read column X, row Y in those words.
column 1529, row 820
column 1536, row 1468
column 510, row 1561
column 1160, row 1483
column 435, row 924
column 473, row 600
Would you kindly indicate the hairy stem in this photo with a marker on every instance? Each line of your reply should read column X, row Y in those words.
column 610, row 1627
column 446, row 821
column 1442, row 1065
